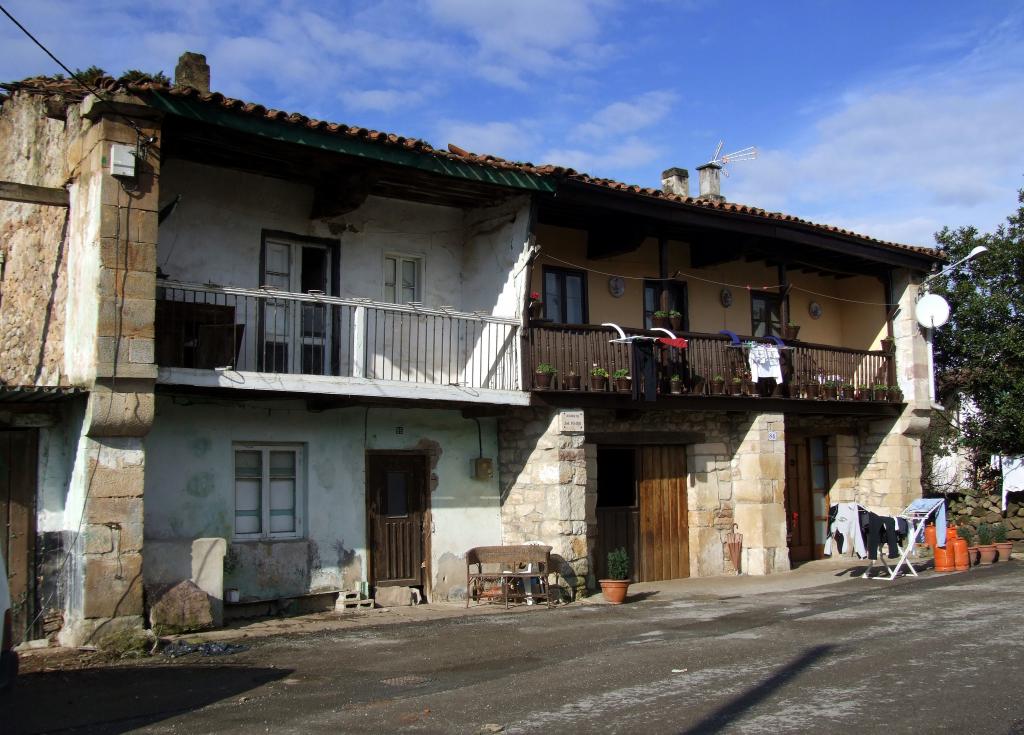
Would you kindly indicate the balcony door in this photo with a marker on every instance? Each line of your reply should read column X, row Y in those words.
column 296, row 335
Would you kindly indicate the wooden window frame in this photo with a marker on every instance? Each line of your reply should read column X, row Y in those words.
column 265, row 534
column 400, row 258
column 561, row 273
column 767, row 296
column 682, row 291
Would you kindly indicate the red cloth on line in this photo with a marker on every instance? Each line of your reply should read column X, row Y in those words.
column 679, row 342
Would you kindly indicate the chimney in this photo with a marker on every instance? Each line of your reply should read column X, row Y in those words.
column 676, row 181
column 711, row 182
column 192, row 71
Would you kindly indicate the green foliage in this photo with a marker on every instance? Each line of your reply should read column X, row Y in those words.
column 999, row 532
column 984, row 534
column 661, row 314
column 966, row 533
column 90, row 75
column 618, row 564
column 135, row 75
column 980, row 351
column 620, row 373
column 599, row 372
column 546, row 368
column 675, row 313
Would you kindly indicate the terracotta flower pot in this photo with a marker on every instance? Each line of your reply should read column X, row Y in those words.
column 736, row 389
column 972, row 553
column 571, row 382
column 717, row 387
column 542, row 380
column 598, row 383
column 623, row 385
column 676, row 323
column 614, row 590
column 986, row 554
column 1004, row 549
column 675, row 387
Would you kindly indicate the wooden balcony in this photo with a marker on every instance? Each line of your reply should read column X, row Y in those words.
column 811, row 372
column 334, row 341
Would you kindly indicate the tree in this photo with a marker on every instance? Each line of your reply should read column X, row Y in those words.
column 979, row 353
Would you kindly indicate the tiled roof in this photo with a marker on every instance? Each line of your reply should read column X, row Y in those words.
column 73, row 90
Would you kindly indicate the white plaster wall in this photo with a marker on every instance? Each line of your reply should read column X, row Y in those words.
column 190, row 494
column 82, row 306
column 494, row 265
column 58, row 447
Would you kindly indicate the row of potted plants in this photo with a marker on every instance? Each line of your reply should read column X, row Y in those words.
column 668, row 320
column 836, row 390
column 988, row 544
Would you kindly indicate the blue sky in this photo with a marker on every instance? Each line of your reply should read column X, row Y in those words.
column 891, row 119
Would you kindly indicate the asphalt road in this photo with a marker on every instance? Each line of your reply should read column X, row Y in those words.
column 933, row 654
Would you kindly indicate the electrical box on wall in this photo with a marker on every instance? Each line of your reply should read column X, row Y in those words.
column 122, row 160
column 483, row 468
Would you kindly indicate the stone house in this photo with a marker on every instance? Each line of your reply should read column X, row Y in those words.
column 319, row 343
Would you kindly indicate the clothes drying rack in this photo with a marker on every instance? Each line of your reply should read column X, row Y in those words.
column 916, row 514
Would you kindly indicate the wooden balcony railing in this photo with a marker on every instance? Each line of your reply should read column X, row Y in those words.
column 259, row 330
column 573, row 349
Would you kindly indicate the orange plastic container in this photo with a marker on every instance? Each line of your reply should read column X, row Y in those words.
column 944, row 559
column 961, row 559
column 951, row 533
column 929, row 535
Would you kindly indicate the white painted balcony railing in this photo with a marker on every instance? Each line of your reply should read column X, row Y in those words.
column 266, row 331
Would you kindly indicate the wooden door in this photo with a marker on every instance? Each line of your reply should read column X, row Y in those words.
column 799, row 516
column 397, row 516
column 17, row 522
column 664, row 525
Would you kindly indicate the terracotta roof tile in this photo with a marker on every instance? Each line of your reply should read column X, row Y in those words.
column 73, row 90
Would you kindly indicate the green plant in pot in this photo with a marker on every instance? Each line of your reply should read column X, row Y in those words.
column 999, row 537
column 545, row 373
column 986, row 549
column 598, row 378
column 675, row 384
column 967, row 534
column 660, row 319
column 717, row 385
column 615, row 587
column 621, row 377
column 675, row 319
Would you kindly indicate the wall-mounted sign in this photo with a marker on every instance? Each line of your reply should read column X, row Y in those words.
column 570, row 422
column 616, row 286
column 725, row 297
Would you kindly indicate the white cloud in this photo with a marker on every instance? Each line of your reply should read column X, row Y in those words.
column 627, row 116
column 504, row 139
column 381, row 100
column 632, row 152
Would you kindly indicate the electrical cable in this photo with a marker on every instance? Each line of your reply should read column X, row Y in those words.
column 73, row 75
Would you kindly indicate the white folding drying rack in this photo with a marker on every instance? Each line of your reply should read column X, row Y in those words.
column 916, row 514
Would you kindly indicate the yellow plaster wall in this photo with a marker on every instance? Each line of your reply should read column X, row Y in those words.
column 858, row 326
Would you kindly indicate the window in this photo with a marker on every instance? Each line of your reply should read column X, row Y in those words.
column 676, row 301
column 765, row 314
column 268, row 491
column 403, row 276
column 565, row 295
column 296, row 335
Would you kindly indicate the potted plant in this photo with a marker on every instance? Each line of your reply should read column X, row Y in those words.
column 810, row 389
column 736, row 386
column 675, row 385
column 571, row 380
column 598, row 378
column 697, row 384
column 536, row 306
column 614, row 588
column 1004, row 547
column 848, row 391
column 830, row 390
column 717, row 385
column 790, row 331
column 622, row 381
column 675, row 319
column 986, row 549
column 895, row 394
column 880, row 392
column 967, row 534
column 545, row 373
column 660, row 319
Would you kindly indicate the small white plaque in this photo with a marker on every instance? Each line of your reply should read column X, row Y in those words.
column 773, row 435
column 570, row 422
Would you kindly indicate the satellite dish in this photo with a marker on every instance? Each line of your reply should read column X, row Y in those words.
column 932, row 311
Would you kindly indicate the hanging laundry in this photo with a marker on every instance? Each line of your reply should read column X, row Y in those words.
column 765, row 362
column 679, row 342
column 846, row 522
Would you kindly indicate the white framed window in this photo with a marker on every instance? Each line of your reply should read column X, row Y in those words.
column 269, row 491
column 403, row 278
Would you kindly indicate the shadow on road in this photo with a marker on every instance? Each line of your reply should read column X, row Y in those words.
column 720, row 718
column 115, row 700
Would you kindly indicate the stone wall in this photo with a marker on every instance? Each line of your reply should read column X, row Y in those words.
column 975, row 509
column 33, row 241
column 544, row 493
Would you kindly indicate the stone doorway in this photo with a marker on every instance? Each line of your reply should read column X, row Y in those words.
column 642, row 506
